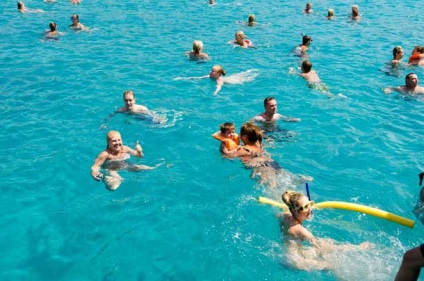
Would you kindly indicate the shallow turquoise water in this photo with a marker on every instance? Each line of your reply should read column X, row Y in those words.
column 197, row 217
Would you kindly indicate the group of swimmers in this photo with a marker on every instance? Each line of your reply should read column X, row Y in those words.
column 53, row 32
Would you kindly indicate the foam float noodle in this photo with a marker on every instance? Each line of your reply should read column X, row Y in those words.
column 350, row 207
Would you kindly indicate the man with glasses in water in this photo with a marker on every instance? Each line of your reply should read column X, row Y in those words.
column 411, row 86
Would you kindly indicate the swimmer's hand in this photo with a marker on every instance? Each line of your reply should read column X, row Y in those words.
column 139, row 149
column 291, row 70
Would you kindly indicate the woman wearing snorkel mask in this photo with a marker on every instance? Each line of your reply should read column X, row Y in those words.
column 298, row 254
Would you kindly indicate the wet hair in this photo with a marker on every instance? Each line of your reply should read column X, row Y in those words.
column 291, row 199
column 397, row 50
column 419, row 49
column 220, row 70
column 252, row 132
column 20, row 5
column 53, row 26
column 267, row 99
column 306, row 39
column 75, row 16
column 308, row 5
column 355, row 11
column 128, row 92
column 306, row 66
column 330, row 13
column 226, row 127
column 240, row 33
column 197, row 46
column 251, row 18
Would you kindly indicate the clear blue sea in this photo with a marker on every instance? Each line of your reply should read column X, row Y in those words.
column 196, row 217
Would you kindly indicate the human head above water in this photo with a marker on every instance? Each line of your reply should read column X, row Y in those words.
column 411, row 79
column 53, row 26
column 75, row 17
column 306, row 66
column 355, row 11
column 397, row 50
column 20, row 5
column 227, row 127
column 251, row 19
column 218, row 70
column 239, row 34
column 252, row 133
column 306, row 40
column 296, row 201
column 330, row 13
column 197, row 46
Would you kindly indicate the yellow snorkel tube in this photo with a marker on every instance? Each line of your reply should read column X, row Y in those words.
column 349, row 207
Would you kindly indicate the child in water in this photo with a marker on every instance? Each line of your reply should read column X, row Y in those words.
column 228, row 137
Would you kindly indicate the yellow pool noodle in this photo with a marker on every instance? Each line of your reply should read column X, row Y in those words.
column 350, row 207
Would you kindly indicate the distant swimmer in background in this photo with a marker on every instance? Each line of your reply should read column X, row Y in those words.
column 217, row 74
column 239, row 40
column 410, row 88
column 302, row 49
column 53, row 33
column 76, row 25
column 355, row 13
column 196, row 54
column 299, row 254
column 114, row 158
column 228, row 136
column 130, row 107
column 417, row 56
column 330, row 14
column 23, row 9
column 75, row 2
column 251, row 20
column 308, row 8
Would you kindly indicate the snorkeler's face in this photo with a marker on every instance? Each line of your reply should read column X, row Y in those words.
column 304, row 206
column 115, row 141
column 129, row 101
column 271, row 107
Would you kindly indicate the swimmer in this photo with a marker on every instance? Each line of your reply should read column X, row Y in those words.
column 239, row 39
column 73, row 2
column 53, row 32
column 211, row 2
column 421, row 176
column 76, row 25
column 302, row 48
column 217, row 74
column 114, row 158
column 251, row 136
column 355, row 12
column 196, row 53
column 251, row 21
column 291, row 223
column 311, row 76
column 397, row 56
column 411, row 86
column 23, row 9
column 228, row 137
column 130, row 107
column 417, row 56
column 270, row 115
column 330, row 14
column 308, row 8
column 412, row 262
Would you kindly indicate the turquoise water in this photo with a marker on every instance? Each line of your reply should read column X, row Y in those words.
column 196, row 217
